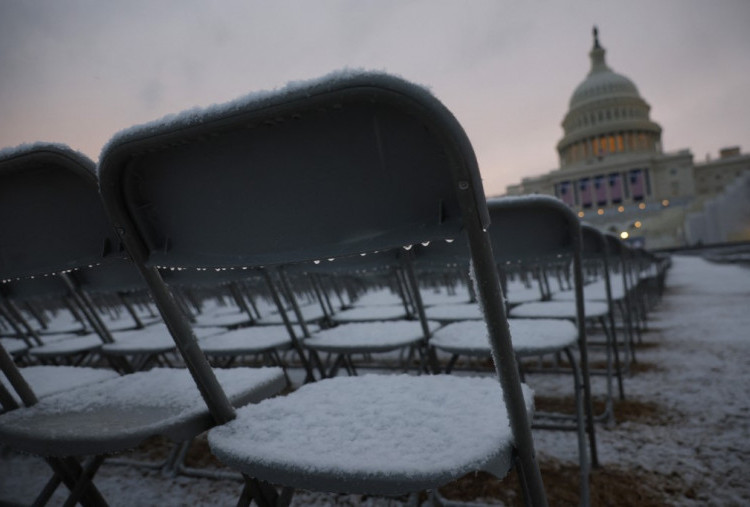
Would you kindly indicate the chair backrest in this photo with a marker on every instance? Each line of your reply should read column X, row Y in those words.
column 532, row 228
column 349, row 164
column 51, row 221
column 275, row 179
column 51, row 216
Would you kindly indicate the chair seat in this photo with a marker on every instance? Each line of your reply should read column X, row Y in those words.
column 559, row 310
column 517, row 296
column 248, row 340
column 385, row 435
column 371, row 313
column 48, row 380
column 310, row 313
column 68, row 347
column 594, row 291
column 222, row 318
column 379, row 297
column 466, row 311
column 529, row 336
column 121, row 412
column 149, row 340
column 430, row 298
column 13, row 346
column 364, row 337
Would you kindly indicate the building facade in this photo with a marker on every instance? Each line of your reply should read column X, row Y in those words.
column 613, row 170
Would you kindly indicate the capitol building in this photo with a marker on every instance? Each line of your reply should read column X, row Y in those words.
column 615, row 175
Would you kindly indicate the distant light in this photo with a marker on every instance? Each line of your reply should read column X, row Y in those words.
column 665, row 203
column 600, row 211
column 637, row 224
column 624, row 234
column 642, row 205
column 581, row 214
column 621, row 209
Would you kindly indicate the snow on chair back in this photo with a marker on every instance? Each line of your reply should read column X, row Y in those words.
column 51, row 216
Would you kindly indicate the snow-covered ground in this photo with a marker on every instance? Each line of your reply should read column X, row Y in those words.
column 695, row 369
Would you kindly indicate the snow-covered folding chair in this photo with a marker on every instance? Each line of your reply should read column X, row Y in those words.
column 536, row 230
column 351, row 163
column 52, row 220
column 532, row 338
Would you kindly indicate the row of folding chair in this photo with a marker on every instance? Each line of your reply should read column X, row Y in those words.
column 377, row 163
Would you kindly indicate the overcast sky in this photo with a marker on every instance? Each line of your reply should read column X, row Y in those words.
column 77, row 71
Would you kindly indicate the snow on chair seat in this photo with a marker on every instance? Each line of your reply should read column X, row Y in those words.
column 366, row 337
column 68, row 347
column 559, row 310
column 247, row 340
column 14, row 346
column 149, row 340
column 49, row 380
column 530, row 337
column 449, row 313
column 394, row 434
column 119, row 413
column 371, row 313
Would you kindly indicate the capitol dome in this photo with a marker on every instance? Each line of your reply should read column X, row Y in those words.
column 606, row 116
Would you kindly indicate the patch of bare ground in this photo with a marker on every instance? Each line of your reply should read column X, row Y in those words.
column 627, row 410
column 634, row 367
column 609, row 486
column 199, row 455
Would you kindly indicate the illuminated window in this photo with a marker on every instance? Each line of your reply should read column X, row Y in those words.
column 611, row 144
column 620, row 144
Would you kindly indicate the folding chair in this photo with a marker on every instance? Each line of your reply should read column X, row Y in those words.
column 352, row 163
column 52, row 220
column 543, row 229
column 515, row 225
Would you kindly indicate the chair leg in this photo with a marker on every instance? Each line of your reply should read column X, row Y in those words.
column 70, row 472
column 264, row 494
column 84, row 480
column 48, row 490
column 583, row 461
column 612, row 340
